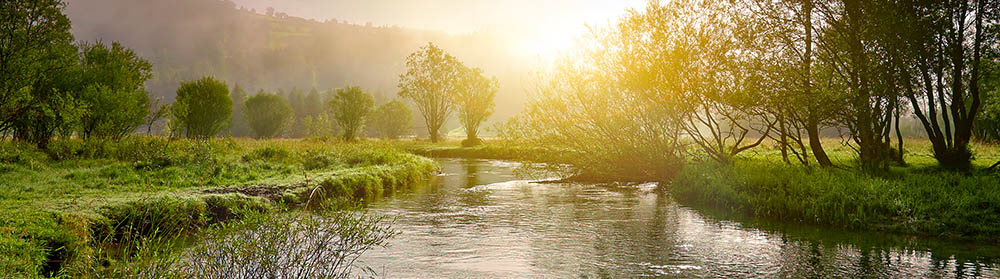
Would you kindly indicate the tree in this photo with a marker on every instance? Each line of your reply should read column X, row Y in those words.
column 203, row 108
column 157, row 111
column 32, row 33
column 802, row 103
column 942, row 51
column 431, row 77
column 313, row 104
column 239, row 126
column 267, row 114
column 474, row 101
column 297, row 100
column 350, row 107
column 392, row 119
column 722, row 99
column 115, row 92
column 36, row 57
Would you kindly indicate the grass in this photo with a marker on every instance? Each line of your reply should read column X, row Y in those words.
column 493, row 149
column 915, row 199
column 65, row 209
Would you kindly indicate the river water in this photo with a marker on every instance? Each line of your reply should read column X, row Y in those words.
column 484, row 219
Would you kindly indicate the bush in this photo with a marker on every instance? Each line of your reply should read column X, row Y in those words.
column 267, row 114
column 392, row 119
column 203, row 108
column 116, row 93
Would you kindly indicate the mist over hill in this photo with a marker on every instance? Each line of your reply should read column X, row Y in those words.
column 269, row 50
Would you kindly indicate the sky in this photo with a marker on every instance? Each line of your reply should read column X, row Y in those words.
column 548, row 25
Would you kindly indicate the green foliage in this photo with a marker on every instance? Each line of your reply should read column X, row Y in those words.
column 392, row 119
column 614, row 111
column 115, row 91
column 430, row 80
column 350, row 108
column 474, row 101
column 239, row 126
column 267, row 114
column 203, row 108
column 35, row 39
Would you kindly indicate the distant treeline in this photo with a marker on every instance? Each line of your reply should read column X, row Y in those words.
column 189, row 39
column 55, row 88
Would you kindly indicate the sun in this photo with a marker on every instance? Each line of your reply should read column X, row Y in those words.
column 548, row 42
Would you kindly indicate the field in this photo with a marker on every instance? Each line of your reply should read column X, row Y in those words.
column 70, row 210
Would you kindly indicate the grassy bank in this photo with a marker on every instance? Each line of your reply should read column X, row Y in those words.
column 492, row 149
column 66, row 210
column 915, row 199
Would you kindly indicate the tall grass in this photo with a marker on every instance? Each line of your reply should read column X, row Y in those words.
column 917, row 201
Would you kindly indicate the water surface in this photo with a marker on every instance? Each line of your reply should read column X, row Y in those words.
column 483, row 219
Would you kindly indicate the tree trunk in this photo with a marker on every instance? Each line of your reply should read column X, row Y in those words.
column 812, row 128
column 899, row 138
column 784, row 139
column 435, row 137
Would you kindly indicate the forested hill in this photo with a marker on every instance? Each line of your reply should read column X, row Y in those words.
column 188, row 39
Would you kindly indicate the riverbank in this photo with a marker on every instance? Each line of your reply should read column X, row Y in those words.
column 917, row 199
column 66, row 209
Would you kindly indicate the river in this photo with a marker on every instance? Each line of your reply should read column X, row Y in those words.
column 484, row 219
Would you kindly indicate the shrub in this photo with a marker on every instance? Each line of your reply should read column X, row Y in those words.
column 267, row 114
column 392, row 119
column 203, row 108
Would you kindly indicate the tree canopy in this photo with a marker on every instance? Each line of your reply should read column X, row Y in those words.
column 350, row 108
column 203, row 108
column 267, row 114
column 432, row 76
column 392, row 119
column 473, row 99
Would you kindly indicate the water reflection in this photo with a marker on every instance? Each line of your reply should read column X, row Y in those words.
column 479, row 220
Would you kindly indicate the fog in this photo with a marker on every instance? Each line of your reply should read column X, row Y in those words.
column 324, row 44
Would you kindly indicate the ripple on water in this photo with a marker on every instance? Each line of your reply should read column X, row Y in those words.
column 480, row 220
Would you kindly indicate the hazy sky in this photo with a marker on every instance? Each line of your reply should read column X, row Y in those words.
column 548, row 24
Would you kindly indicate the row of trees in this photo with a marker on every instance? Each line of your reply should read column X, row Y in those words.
column 345, row 111
column 723, row 76
column 204, row 108
column 51, row 87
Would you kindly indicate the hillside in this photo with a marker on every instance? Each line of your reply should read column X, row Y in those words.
column 187, row 39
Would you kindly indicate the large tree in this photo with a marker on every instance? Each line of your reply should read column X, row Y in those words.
column 350, row 108
column 803, row 102
column 114, row 90
column 203, row 108
column 474, row 101
column 35, row 51
column 267, row 114
column 430, row 80
column 942, row 52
